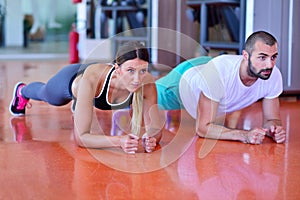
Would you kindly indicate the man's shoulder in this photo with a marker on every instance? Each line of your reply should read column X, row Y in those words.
column 226, row 64
column 227, row 58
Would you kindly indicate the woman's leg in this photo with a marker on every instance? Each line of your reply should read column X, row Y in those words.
column 57, row 91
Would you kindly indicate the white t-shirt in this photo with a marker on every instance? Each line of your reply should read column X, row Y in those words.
column 219, row 80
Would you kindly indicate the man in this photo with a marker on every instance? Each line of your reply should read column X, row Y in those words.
column 211, row 88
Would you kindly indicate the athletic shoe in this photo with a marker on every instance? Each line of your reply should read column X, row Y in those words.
column 18, row 103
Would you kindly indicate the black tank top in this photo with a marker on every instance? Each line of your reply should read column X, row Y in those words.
column 101, row 102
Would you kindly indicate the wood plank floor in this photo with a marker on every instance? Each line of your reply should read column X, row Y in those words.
column 39, row 158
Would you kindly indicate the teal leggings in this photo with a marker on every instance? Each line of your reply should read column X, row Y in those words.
column 168, row 86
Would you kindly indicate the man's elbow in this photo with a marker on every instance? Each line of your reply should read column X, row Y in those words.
column 78, row 142
column 200, row 132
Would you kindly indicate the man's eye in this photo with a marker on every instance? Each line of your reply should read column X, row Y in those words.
column 262, row 58
column 273, row 57
column 143, row 71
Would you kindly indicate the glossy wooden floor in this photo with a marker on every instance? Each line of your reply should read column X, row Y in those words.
column 39, row 159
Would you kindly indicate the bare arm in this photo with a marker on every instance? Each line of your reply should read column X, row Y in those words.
column 153, row 123
column 272, row 121
column 209, row 126
column 84, row 120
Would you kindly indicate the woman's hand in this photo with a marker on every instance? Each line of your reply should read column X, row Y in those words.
column 129, row 143
column 149, row 143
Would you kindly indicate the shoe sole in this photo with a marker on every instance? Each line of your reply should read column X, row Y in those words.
column 12, row 100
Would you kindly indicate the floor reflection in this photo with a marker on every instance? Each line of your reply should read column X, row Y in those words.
column 233, row 175
column 21, row 130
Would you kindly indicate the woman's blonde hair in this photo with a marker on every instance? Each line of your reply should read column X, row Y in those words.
column 129, row 51
column 137, row 111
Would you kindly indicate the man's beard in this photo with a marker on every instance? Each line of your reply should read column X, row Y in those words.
column 251, row 72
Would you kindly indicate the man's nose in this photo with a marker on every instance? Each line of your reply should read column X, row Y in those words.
column 270, row 63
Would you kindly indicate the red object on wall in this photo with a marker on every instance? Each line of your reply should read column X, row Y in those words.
column 76, row 1
column 73, row 45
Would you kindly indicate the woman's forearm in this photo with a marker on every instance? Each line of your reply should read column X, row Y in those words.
column 89, row 140
column 154, row 132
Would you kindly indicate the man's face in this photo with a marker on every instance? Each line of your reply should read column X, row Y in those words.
column 262, row 60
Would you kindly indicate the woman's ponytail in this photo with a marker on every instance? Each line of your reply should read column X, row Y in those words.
column 137, row 111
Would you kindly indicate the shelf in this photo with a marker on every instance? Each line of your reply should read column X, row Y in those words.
column 119, row 13
column 130, row 38
column 203, row 5
column 215, row 2
column 110, row 25
column 121, row 8
column 221, row 45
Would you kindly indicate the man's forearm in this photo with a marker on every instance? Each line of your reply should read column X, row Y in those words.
column 214, row 131
column 269, row 122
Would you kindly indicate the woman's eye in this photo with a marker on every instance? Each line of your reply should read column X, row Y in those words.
column 130, row 70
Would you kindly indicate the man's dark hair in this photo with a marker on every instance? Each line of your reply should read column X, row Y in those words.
column 263, row 36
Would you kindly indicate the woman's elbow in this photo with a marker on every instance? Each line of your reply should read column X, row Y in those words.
column 78, row 140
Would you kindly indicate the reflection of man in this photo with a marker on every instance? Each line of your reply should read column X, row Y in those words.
column 210, row 89
column 231, row 175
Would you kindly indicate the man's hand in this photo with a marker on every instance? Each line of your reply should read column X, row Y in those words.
column 255, row 136
column 129, row 143
column 277, row 133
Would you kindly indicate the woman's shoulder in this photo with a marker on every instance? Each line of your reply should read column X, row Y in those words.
column 97, row 70
column 98, row 67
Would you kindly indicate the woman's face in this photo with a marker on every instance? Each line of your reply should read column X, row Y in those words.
column 132, row 73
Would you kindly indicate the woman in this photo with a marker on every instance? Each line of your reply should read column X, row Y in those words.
column 125, row 83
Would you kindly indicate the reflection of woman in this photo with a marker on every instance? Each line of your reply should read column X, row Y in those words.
column 36, row 15
column 105, row 86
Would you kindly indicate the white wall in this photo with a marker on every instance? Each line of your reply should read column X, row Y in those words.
column 14, row 23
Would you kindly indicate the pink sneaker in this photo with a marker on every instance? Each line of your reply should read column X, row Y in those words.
column 18, row 103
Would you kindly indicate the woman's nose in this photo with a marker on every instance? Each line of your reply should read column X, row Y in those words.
column 136, row 77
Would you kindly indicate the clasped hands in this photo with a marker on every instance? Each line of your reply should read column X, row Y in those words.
column 130, row 143
column 257, row 135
